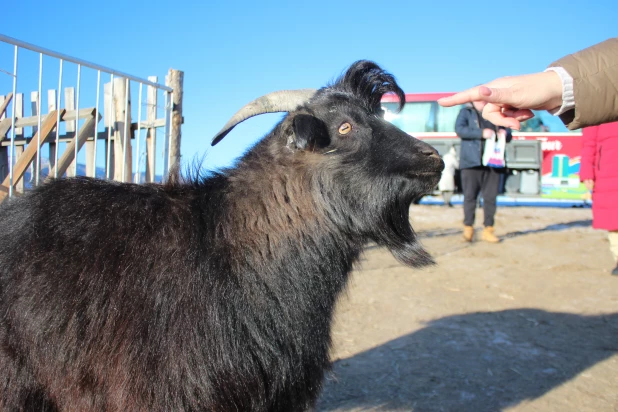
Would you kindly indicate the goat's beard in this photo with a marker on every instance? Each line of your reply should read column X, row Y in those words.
column 397, row 235
column 389, row 214
column 380, row 213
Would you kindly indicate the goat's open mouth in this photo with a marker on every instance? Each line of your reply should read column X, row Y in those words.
column 425, row 178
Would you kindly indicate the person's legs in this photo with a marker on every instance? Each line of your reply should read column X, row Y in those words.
column 471, row 185
column 490, row 187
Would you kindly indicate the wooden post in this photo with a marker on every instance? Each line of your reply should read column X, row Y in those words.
column 151, row 137
column 4, row 151
column 90, row 160
column 51, row 106
column 175, row 79
column 19, row 134
column 19, row 113
column 34, row 108
column 69, row 104
column 108, row 122
column 122, row 154
column 19, row 150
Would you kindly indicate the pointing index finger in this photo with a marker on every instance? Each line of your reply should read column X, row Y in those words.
column 474, row 94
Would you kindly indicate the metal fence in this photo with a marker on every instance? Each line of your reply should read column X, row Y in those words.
column 67, row 126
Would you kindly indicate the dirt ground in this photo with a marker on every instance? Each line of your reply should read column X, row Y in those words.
column 530, row 324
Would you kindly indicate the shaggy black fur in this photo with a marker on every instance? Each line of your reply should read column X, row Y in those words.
column 214, row 294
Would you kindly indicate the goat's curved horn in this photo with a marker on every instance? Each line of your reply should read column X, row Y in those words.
column 281, row 101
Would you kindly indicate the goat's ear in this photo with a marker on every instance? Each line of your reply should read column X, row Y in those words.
column 311, row 133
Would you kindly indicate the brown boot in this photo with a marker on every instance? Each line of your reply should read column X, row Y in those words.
column 468, row 233
column 488, row 235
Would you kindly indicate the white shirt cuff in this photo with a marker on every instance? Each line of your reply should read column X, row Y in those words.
column 568, row 96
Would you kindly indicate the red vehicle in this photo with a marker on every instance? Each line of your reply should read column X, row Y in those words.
column 543, row 157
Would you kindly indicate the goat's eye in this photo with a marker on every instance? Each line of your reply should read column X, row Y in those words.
column 345, row 128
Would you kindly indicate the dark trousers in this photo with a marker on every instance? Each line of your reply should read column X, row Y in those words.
column 485, row 180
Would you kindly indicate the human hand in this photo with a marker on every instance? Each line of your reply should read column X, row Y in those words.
column 488, row 134
column 511, row 99
column 502, row 134
column 589, row 183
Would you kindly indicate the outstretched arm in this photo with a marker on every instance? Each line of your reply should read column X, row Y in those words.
column 587, row 79
column 512, row 99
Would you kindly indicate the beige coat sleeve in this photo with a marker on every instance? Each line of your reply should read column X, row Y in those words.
column 595, row 84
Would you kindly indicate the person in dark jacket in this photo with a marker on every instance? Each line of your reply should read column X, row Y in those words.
column 474, row 130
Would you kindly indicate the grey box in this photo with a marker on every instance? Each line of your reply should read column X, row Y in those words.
column 529, row 182
column 524, row 154
column 513, row 182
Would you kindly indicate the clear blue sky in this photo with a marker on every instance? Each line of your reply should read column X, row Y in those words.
column 234, row 51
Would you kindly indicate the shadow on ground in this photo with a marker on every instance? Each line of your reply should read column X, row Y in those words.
column 437, row 233
column 473, row 362
column 551, row 228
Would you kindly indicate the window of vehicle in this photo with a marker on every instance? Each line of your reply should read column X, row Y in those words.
column 415, row 116
column 446, row 117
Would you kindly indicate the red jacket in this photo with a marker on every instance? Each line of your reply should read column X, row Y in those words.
column 599, row 162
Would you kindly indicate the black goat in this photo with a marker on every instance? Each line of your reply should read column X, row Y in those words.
column 214, row 293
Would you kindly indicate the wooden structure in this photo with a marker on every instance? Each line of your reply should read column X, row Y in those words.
column 76, row 128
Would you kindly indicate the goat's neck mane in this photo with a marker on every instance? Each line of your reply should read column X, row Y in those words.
column 272, row 203
column 278, row 203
